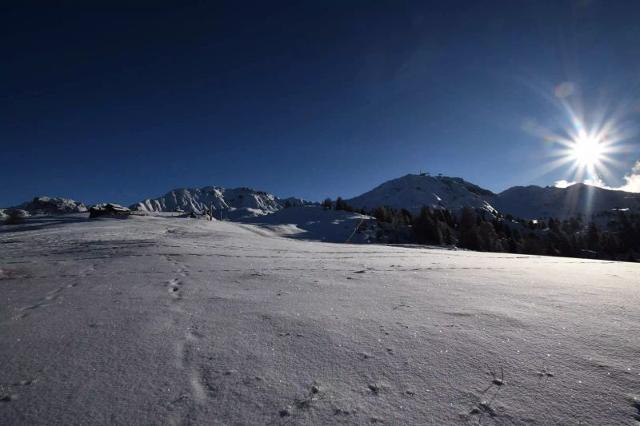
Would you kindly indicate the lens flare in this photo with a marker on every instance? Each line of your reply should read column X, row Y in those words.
column 588, row 139
column 587, row 143
column 587, row 151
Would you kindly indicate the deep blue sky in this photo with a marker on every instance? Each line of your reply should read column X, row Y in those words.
column 101, row 101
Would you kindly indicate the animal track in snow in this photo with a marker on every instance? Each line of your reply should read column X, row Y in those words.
column 304, row 403
column 402, row 305
column 484, row 406
column 174, row 288
column 199, row 388
column 545, row 373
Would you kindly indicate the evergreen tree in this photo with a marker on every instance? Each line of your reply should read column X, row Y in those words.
column 341, row 204
column 593, row 237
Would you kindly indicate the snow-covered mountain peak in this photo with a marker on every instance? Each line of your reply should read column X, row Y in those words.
column 229, row 203
column 412, row 192
column 536, row 202
column 52, row 205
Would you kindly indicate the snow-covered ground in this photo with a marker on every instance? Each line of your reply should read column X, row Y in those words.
column 316, row 223
column 159, row 320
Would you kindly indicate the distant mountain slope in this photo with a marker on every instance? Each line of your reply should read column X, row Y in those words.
column 52, row 206
column 316, row 223
column 535, row 202
column 412, row 192
column 227, row 203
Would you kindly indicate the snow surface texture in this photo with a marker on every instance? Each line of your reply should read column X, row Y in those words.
column 157, row 320
column 316, row 223
column 231, row 204
column 412, row 192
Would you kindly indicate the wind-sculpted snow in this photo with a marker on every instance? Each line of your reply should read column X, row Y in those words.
column 157, row 320
column 412, row 192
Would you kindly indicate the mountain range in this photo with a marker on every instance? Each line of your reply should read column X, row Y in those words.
column 234, row 203
column 410, row 192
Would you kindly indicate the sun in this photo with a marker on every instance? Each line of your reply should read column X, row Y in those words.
column 586, row 142
column 587, row 151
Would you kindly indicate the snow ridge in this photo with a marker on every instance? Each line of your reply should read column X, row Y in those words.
column 535, row 202
column 52, row 206
column 412, row 192
column 233, row 203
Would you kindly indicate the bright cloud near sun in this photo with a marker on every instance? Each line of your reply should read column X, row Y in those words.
column 590, row 141
column 632, row 181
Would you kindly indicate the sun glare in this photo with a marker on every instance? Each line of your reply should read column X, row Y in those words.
column 587, row 145
column 587, row 151
column 585, row 142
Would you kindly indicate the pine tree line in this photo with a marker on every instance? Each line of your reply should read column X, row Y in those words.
column 478, row 230
column 617, row 239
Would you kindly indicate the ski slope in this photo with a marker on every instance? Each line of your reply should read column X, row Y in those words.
column 160, row 320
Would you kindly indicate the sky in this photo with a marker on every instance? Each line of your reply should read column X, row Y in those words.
column 109, row 101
